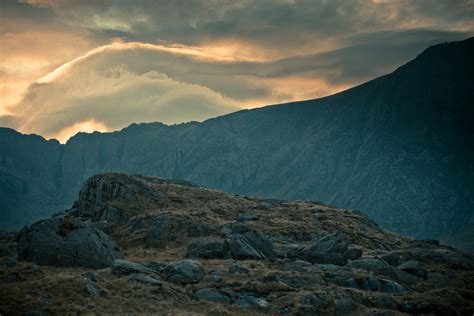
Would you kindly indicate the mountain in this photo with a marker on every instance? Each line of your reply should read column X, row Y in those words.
column 399, row 147
column 140, row 243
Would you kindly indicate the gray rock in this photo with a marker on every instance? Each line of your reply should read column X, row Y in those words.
column 259, row 241
column 145, row 279
column 212, row 295
column 241, row 249
column 127, row 267
column 184, row 272
column 413, row 267
column 157, row 234
column 90, row 275
column 295, row 251
column 67, row 242
column 205, row 249
column 92, row 290
column 332, row 243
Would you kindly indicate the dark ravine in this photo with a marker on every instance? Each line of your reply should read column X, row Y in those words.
column 399, row 147
column 148, row 244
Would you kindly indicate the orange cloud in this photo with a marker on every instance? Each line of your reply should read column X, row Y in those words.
column 87, row 126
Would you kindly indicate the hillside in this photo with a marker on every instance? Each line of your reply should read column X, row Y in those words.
column 398, row 147
column 137, row 243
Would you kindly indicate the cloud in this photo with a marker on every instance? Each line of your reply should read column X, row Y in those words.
column 109, row 98
column 72, row 65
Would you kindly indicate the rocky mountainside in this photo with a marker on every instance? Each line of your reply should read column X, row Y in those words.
column 399, row 147
column 150, row 245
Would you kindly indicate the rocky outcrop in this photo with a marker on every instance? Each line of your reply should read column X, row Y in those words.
column 297, row 257
column 67, row 242
column 184, row 272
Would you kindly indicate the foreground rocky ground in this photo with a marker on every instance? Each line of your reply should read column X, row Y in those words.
column 148, row 245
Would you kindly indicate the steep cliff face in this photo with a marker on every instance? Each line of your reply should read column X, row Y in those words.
column 399, row 147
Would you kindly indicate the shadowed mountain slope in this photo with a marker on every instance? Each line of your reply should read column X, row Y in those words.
column 399, row 147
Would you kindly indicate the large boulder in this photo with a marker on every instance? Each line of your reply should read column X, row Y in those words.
column 413, row 267
column 332, row 243
column 329, row 249
column 157, row 235
column 258, row 240
column 240, row 248
column 67, row 242
column 184, row 272
column 212, row 295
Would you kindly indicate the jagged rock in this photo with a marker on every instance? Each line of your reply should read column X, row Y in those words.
column 92, row 290
column 184, row 272
column 127, row 267
column 92, row 276
column 369, row 264
column 145, row 279
column 295, row 251
column 212, row 295
column 156, row 235
column 332, row 243
column 413, row 267
column 326, row 250
column 241, row 249
column 259, row 241
column 353, row 254
column 205, row 249
column 67, row 242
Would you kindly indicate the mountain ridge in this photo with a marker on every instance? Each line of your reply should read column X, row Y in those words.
column 393, row 146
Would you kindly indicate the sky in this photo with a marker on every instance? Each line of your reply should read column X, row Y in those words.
column 69, row 66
